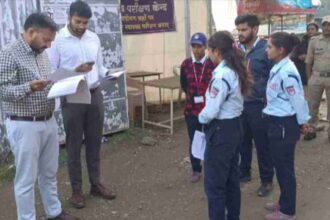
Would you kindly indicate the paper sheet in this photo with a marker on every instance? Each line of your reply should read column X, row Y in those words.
column 198, row 145
column 75, row 88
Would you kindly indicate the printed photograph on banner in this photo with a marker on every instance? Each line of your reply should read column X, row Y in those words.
column 61, row 131
column 12, row 17
column 115, row 115
column 112, row 89
column 112, row 50
column 56, row 9
column 4, row 144
column 105, row 19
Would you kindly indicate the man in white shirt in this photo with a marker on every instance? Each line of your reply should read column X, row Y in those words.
column 77, row 48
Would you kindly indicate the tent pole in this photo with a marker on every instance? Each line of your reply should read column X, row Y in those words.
column 209, row 16
column 269, row 24
column 187, row 26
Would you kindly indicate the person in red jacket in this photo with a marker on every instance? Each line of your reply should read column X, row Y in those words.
column 195, row 75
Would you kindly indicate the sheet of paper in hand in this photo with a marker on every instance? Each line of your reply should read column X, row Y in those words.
column 75, row 89
column 198, row 145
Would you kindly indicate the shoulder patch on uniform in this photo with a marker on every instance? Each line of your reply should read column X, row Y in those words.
column 291, row 90
column 214, row 92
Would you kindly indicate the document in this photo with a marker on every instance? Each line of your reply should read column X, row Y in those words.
column 75, row 89
column 198, row 145
column 74, row 86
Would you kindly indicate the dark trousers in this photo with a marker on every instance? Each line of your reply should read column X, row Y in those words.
column 283, row 134
column 222, row 186
column 84, row 120
column 255, row 129
column 193, row 125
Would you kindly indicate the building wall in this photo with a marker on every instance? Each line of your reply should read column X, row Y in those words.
column 161, row 51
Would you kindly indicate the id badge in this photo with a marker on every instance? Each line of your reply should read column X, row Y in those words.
column 198, row 99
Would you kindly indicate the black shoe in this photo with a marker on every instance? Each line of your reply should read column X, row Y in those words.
column 265, row 189
column 245, row 177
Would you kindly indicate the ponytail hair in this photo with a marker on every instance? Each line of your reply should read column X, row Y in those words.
column 224, row 42
column 284, row 40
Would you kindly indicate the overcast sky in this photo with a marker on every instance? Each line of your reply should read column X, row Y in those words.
column 224, row 13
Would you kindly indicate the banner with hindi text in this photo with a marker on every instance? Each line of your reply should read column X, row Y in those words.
column 147, row 16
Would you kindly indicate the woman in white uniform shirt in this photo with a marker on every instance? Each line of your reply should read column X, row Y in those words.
column 223, row 130
column 287, row 115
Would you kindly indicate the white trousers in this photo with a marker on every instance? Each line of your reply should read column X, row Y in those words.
column 36, row 148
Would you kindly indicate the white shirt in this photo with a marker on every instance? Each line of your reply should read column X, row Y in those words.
column 202, row 61
column 245, row 50
column 68, row 51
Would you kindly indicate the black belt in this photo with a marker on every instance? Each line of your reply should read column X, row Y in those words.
column 30, row 118
column 324, row 74
column 278, row 117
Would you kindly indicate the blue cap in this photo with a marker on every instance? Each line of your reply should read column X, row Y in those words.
column 198, row 38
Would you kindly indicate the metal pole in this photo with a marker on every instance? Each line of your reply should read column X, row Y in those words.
column 187, row 26
column 269, row 25
column 171, row 112
column 209, row 16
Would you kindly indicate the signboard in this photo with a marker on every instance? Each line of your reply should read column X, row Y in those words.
column 147, row 16
column 275, row 7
